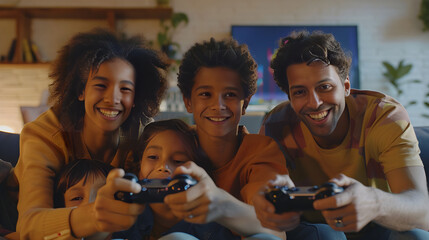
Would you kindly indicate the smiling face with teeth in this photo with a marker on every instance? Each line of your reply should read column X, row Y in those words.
column 109, row 95
column 317, row 95
column 217, row 102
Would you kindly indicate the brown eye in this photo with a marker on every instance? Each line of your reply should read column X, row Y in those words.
column 231, row 94
column 153, row 157
column 298, row 92
column 204, row 94
column 76, row 199
column 325, row 87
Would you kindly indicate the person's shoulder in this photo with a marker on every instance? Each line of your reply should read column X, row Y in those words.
column 257, row 140
column 368, row 97
column 375, row 103
column 278, row 113
column 46, row 124
column 382, row 116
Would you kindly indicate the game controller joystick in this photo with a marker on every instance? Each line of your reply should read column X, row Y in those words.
column 287, row 199
column 154, row 190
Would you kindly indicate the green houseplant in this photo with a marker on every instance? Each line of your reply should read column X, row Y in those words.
column 163, row 3
column 168, row 29
column 395, row 76
column 424, row 14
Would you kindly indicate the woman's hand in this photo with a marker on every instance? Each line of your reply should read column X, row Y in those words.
column 107, row 214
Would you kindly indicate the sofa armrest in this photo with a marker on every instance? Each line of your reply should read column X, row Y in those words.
column 422, row 134
column 9, row 147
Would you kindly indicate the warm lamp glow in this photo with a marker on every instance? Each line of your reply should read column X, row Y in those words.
column 5, row 128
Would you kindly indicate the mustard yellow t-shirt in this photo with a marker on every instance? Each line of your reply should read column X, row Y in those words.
column 380, row 139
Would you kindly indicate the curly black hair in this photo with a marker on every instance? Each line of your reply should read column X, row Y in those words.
column 226, row 53
column 297, row 48
column 86, row 52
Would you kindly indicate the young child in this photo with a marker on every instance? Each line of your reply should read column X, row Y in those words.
column 217, row 80
column 164, row 146
column 78, row 182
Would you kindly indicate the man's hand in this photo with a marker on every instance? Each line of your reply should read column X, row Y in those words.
column 265, row 210
column 355, row 207
column 201, row 203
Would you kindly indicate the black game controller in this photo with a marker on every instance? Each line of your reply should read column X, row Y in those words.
column 291, row 199
column 154, row 190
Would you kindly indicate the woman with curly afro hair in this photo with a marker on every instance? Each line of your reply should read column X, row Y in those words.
column 104, row 90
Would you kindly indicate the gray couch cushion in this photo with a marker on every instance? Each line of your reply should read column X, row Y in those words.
column 422, row 134
column 9, row 147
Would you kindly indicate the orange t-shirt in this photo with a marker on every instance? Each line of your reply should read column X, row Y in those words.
column 257, row 161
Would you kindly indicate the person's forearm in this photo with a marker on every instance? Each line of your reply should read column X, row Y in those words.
column 241, row 218
column 403, row 211
column 80, row 221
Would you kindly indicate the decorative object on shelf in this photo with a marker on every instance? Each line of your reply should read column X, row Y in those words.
column 9, row 3
column 168, row 28
column 30, row 52
column 23, row 17
column 163, row 3
column 424, row 14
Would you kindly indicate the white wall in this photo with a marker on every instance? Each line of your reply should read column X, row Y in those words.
column 387, row 30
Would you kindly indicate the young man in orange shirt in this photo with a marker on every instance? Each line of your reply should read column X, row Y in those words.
column 217, row 80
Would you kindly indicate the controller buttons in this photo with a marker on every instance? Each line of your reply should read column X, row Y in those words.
column 313, row 189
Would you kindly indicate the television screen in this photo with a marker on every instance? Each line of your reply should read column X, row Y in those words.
column 263, row 42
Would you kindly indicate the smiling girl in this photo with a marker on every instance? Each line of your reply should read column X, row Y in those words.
column 104, row 89
column 163, row 147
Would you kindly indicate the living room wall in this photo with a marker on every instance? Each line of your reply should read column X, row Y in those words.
column 388, row 30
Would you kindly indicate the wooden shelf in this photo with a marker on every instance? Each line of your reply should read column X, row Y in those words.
column 88, row 13
column 23, row 18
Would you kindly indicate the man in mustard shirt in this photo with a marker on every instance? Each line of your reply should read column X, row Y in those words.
column 360, row 140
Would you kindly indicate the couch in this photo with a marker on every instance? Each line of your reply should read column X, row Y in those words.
column 9, row 147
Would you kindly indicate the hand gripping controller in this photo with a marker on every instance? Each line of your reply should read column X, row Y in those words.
column 287, row 199
column 154, row 190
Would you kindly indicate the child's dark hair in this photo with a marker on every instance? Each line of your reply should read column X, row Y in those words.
column 188, row 135
column 303, row 47
column 86, row 52
column 75, row 171
column 226, row 53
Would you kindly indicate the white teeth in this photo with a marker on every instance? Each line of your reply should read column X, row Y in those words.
column 109, row 113
column 318, row 116
column 217, row 119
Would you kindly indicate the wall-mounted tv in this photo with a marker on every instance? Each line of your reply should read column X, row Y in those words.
column 264, row 40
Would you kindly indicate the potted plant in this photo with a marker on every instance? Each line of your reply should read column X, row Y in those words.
column 395, row 77
column 163, row 3
column 168, row 29
column 424, row 14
